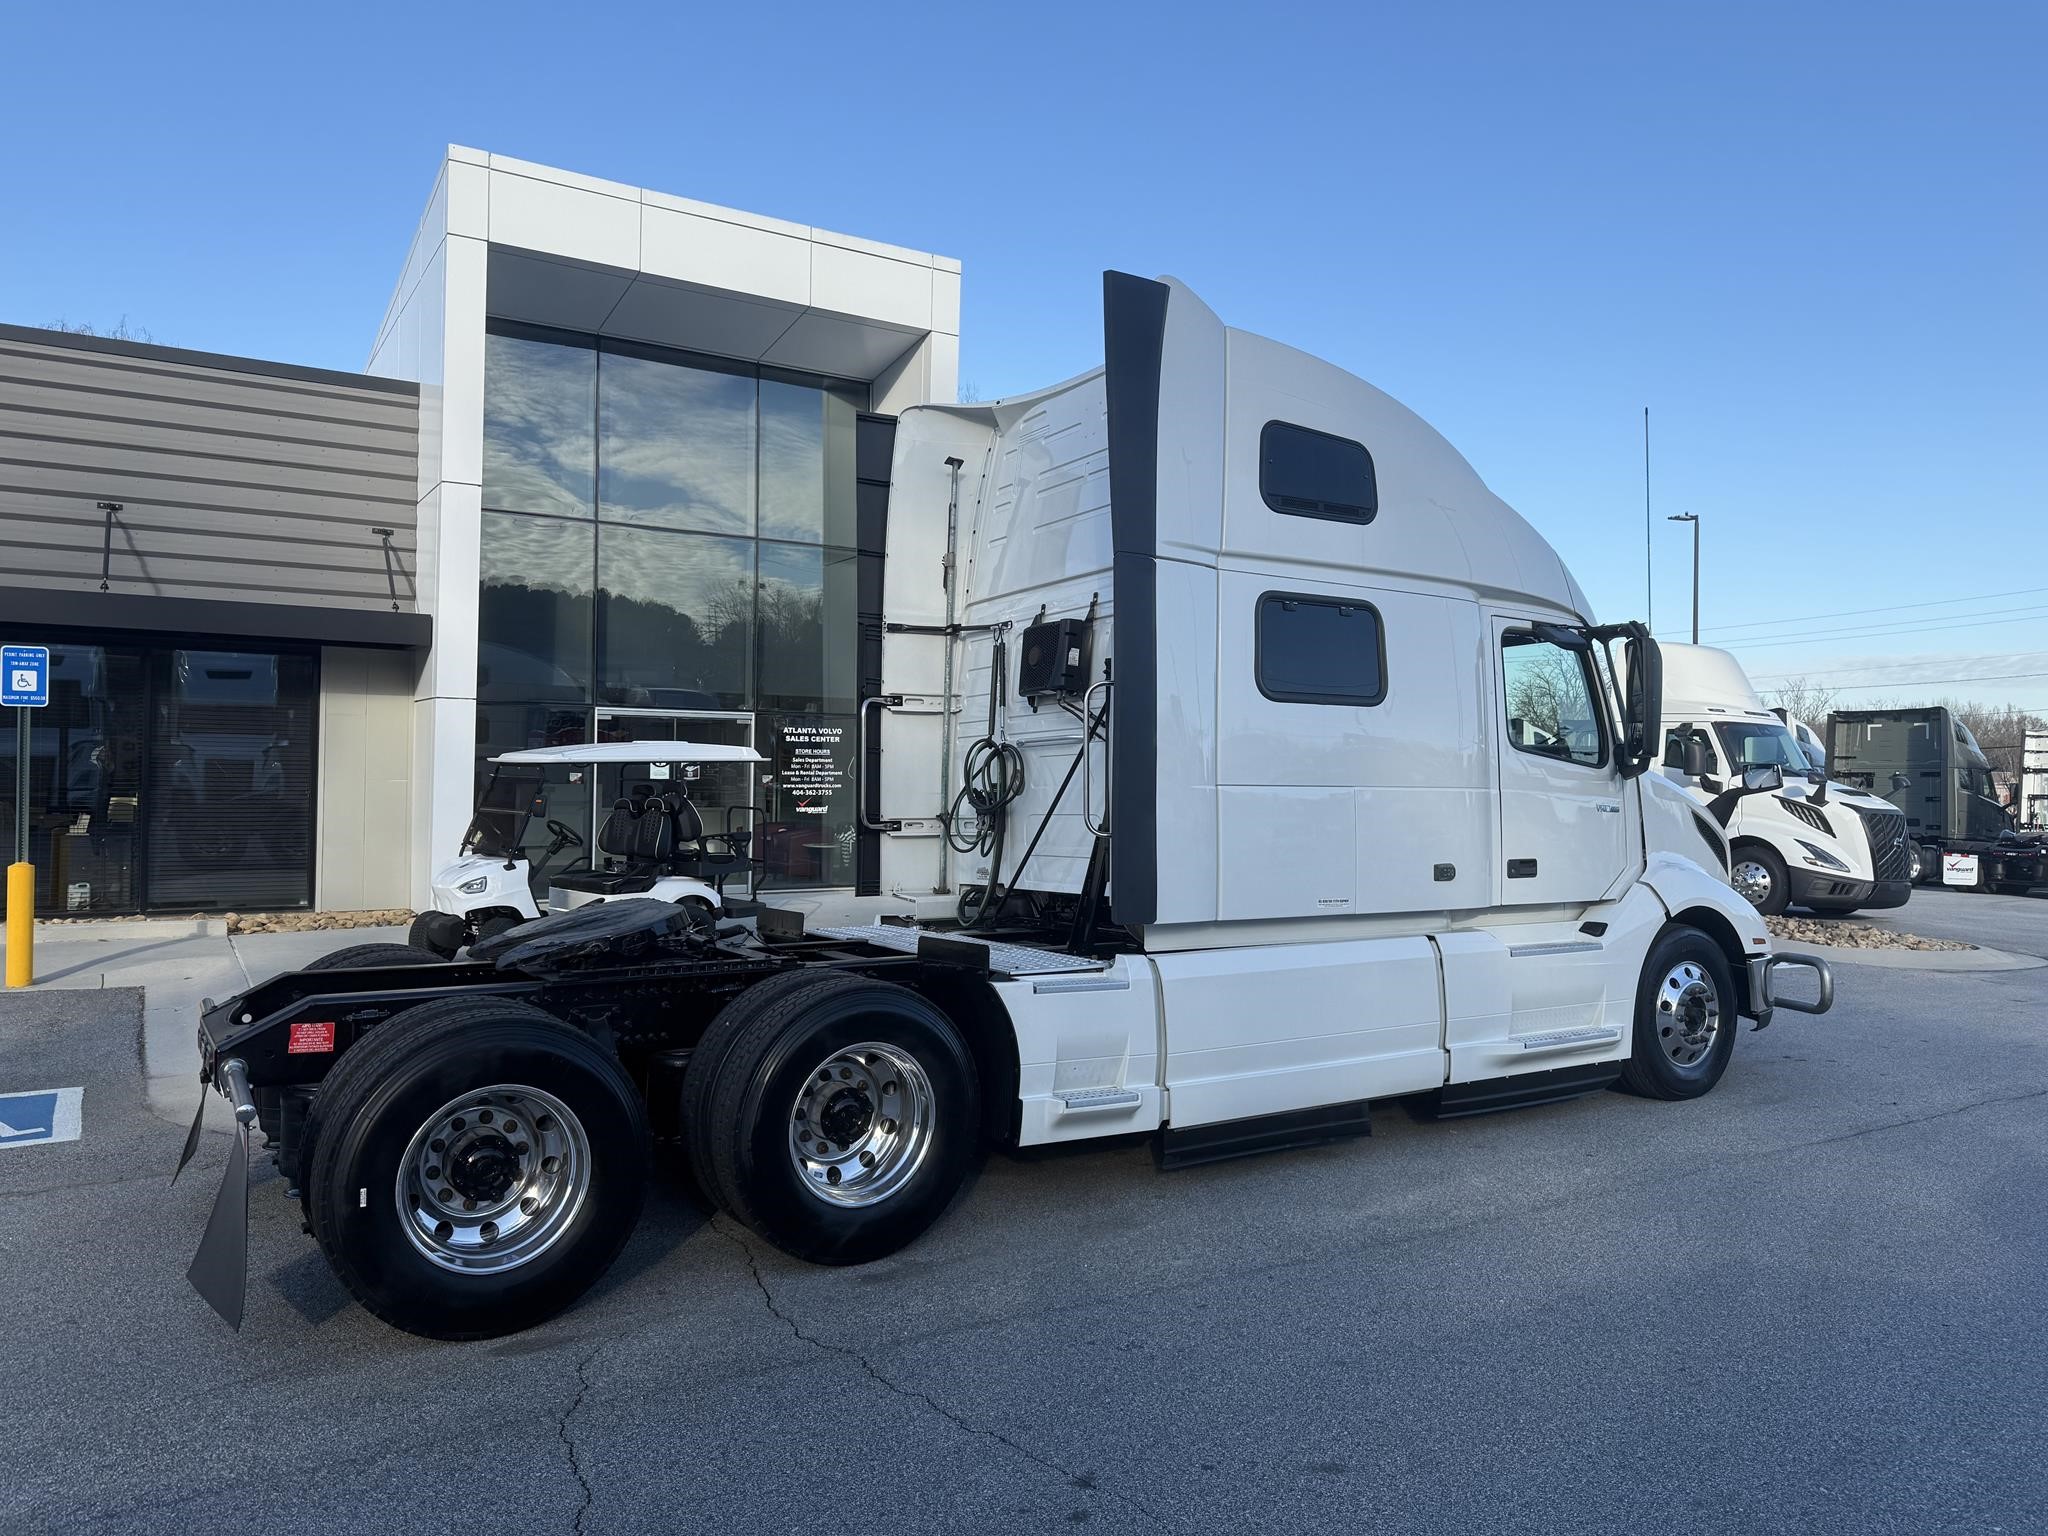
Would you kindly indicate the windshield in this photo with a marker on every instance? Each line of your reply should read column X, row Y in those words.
column 501, row 815
column 1754, row 744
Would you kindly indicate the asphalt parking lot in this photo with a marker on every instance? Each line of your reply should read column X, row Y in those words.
column 1810, row 1301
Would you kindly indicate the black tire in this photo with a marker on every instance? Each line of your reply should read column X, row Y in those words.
column 1778, row 888
column 756, row 1092
column 700, row 1077
column 700, row 910
column 1918, row 861
column 1651, row 1069
column 386, row 1090
column 430, row 932
column 359, row 955
column 495, row 924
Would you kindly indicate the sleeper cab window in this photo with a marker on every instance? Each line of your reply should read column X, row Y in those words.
column 1549, row 695
column 1305, row 473
column 1319, row 650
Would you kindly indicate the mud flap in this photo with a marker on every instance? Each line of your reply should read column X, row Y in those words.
column 220, row 1269
column 191, row 1136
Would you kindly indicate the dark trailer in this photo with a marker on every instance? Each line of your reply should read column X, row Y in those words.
column 1926, row 762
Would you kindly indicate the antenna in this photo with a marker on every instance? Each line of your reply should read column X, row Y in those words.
column 1649, row 587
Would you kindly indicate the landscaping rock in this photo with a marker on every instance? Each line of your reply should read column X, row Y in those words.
column 1846, row 933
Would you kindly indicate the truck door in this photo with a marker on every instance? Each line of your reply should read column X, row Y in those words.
column 1563, row 833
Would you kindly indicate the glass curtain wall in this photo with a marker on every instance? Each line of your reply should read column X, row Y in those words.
column 663, row 531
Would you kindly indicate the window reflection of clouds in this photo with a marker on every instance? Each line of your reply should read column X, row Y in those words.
column 540, row 450
column 534, row 613
column 678, row 618
column 807, row 609
column 678, row 446
column 807, row 471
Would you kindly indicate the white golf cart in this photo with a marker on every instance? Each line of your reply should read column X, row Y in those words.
column 651, row 843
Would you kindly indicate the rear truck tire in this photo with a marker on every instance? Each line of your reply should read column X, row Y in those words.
column 1758, row 874
column 700, row 1075
column 438, row 933
column 1685, row 1018
column 1920, row 865
column 843, row 1120
column 363, row 955
column 480, row 1165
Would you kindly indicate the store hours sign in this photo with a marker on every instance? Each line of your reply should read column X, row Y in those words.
column 814, row 765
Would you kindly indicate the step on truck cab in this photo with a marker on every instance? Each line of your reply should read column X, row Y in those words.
column 1240, row 762
column 1822, row 846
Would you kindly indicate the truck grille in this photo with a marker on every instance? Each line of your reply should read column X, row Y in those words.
column 1887, row 833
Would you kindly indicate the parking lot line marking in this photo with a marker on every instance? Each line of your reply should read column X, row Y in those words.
column 40, row 1115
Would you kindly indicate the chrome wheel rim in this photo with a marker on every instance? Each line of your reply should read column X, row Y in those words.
column 862, row 1125
column 1688, row 1014
column 493, row 1179
column 1751, row 880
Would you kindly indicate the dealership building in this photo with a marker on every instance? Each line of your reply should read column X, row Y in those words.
column 617, row 469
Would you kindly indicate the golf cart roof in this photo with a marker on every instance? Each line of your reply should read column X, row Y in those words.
column 635, row 752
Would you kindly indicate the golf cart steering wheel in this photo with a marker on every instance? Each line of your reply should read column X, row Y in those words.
column 565, row 836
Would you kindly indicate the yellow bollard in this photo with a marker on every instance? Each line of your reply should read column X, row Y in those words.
column 21, row 924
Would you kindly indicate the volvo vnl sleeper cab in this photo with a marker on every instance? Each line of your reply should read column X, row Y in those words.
column 1238, row 760
column 1825, row 847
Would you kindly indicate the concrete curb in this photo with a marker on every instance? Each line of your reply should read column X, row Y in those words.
column 85, row 930
column 1925, row 959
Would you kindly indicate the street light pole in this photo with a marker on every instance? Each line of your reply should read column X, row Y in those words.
column 1693, row 518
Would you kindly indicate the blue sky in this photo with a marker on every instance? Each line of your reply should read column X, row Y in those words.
column 1809, row 238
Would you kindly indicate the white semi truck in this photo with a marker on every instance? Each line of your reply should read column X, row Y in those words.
column 1250, row 762
column 1825, row 847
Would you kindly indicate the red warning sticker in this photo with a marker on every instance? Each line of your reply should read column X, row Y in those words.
column 306, row 1039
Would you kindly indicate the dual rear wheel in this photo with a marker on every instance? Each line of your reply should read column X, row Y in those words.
column 475, row 1164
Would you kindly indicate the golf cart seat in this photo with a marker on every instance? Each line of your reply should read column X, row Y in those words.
column 635, row 830
column 710, row 857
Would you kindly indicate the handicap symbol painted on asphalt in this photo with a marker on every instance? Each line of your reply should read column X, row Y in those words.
column 46, row 1114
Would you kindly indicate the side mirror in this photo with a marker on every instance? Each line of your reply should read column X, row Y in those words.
column 1901, row 781
column 1762, row 777
column 1696, row 764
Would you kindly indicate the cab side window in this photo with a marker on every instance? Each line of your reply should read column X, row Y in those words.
column 1550, row 701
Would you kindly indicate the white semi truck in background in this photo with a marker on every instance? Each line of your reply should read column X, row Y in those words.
column 1814, row 844
column 1248, row 763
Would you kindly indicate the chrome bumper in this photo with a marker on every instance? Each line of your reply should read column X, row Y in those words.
column 1762, row 986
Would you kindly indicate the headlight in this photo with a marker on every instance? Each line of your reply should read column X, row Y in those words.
column 1820, row 858
column 475, row 887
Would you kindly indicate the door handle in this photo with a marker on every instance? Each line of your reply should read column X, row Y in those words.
column 1521, row 869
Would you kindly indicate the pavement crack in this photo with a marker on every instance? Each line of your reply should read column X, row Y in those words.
column 1071, row 1478
column 568, row 1439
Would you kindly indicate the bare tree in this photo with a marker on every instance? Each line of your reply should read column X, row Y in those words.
column 1804, row 699
column 120, row 330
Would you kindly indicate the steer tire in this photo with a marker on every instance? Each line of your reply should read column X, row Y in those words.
column 916, row 1110
column 1681, row 959
column 406, row 1078
column 700, row 1076
column 1778, row 892
column 362, row 956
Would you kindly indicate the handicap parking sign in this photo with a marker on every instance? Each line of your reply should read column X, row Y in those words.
column 25, row 675
column 42, row 1114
